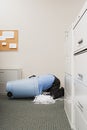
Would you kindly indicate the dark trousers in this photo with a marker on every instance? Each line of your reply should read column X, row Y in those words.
column 55, row 90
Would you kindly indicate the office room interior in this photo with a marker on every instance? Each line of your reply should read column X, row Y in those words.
column 42, row 28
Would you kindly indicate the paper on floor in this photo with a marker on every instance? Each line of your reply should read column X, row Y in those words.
column 44, row 99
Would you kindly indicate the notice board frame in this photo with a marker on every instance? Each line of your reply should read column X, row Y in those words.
column 9, row 43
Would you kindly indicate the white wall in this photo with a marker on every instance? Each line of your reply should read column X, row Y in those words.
column 41, row 25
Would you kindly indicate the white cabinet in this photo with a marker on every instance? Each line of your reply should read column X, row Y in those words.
column 8, row 75
column 80, row 70
column 75, row 103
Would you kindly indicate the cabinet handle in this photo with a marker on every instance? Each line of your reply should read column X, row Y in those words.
column 80, row 104
column 80, row 77
column 80, row 41
column 80, row 108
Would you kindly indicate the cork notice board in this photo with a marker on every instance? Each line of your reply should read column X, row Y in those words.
column 8, row 40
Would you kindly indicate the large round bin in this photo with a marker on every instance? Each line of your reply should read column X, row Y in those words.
column 23, row 88
column 29, row 87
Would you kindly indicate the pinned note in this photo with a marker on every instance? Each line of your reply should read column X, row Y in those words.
column 2, row 38
column 8, row 34
column 12, row 45
column 4, row 43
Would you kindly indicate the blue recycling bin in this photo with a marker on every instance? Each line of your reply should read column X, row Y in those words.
column 29, row 87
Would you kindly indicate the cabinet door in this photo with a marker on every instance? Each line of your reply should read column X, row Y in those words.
column 80, row 89
column 80, row 123
column 80, row 33
column 80, row 66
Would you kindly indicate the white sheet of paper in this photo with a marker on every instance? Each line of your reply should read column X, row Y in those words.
column 4, row 43
column 12, row 45
column 2, row 38
column 8, row 34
